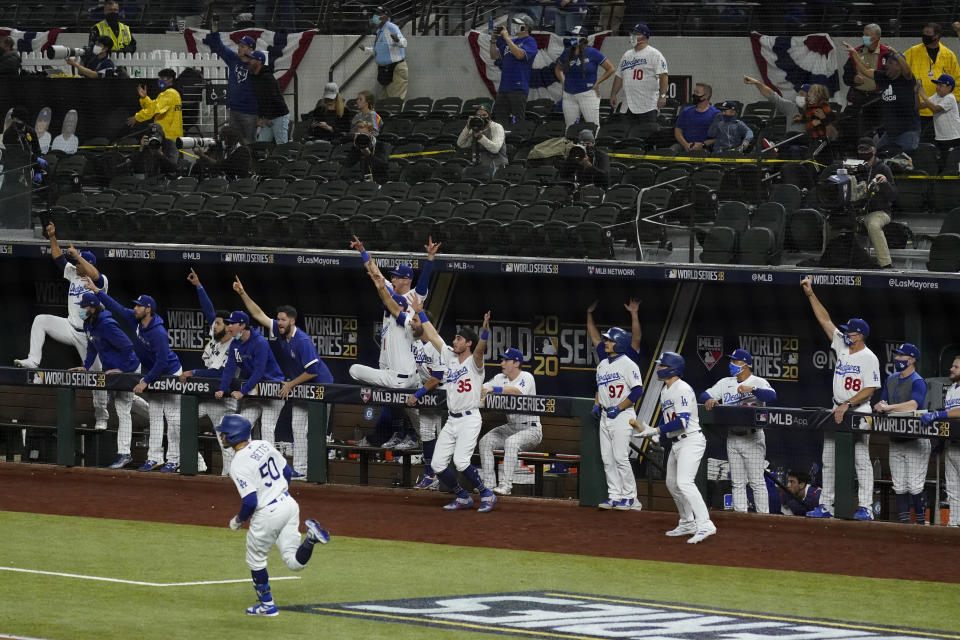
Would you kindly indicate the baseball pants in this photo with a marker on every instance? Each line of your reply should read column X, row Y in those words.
column 457, row 440
column 164, row 406
column 951, row 463
column 861, row 463
column 62, row 331
column 277, row 522
column 123, row 403
column 391, row 380
column 682, row 466
column 584, row 105
column 430, row 422
column 298, row 424
column 908, row 465
column 512, row 438
column 215, row 410
column 615, row 451
column 746, row 454
column 267, row 411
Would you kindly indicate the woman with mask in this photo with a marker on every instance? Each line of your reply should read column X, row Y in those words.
column 577, row 70
column 365, row 113
column 329, row 120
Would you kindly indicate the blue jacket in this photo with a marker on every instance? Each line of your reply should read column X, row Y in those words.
column 152, row 344
column 106, row 339
column 255, row 360
column 239, row 85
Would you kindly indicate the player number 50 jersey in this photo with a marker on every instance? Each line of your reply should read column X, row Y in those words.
column 259, row 467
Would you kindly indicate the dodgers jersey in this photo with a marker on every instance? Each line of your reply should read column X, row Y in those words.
column 463, row 381
column 528, row 387
column 215, row 352
column 638, row 71
column 725, row 391
column 75, row 291
column 615, row 378
column 854, row 372
column 259, row 467
column 952, row 400
column 396, row 345
column 679, row 400
column 428, row 360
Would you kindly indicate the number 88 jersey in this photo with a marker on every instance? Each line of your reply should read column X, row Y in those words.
column 259, row 467
column 853, row 373
column 462, row 382
column 615, row 378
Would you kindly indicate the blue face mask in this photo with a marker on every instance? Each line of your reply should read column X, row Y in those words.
column 729, row 118
column 900, row 365
column 735, row 369
column 663, row 374
column 847, row 340
column 85, row 314
column 375, row 20
column 867, row 41
column 162, row 84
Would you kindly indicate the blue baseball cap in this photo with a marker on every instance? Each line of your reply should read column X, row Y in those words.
column 805, row 87
column 907, row 349
column 947, row 79
column 237, row 317
column 89, row 299
column 258, row 55
column 403, row 271
column 512, row 354
column 248, row 41
column 89, row 257
column 641, row 28
column 145, row 301
column 742, row 354
column 856, row 325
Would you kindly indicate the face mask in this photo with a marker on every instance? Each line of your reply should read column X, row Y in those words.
column 801, row 101
column 729, row 118
column 375, row 20
column 865, row 155
column 928, row 40
column 735, row 369
column 900, row 365
column 633, row 40
column 663, row 374
column 847, row 340
column 97, row 49
column 697, row 99
column 113, row 19
column 162, row 84
column 867, row 41
column 85, row 315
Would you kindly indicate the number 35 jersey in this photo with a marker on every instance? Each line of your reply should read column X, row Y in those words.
column 259, row 467
column 854, row 372
column 462, row 382
column 615, row 378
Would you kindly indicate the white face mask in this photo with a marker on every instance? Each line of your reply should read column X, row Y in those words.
column 633, row 40
column 801, row 101
column 97, row 49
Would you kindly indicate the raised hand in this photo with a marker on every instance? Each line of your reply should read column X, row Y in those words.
column 486, row 321
column 356, row 244
column 88, row 283
column 72, row 252
column 416, row 303
column 193, row 279
column 633, row 306
column 593, row 306
column 51, row 230
column 807, row 286
column 238, row 286
column 432, row 247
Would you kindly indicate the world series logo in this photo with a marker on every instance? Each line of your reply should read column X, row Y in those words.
column 775, row 357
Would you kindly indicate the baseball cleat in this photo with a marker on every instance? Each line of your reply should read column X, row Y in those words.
column 628, row 504
column 502, row 490
column 25, row 363
column 263, row 610
column 149, row 465
column 486, row 503
column 170, row 467
column 702, row 534
column 317, row 533
column 100, row 424
column 820, row 512
column 459, row 504
column 863, row 514
column 394, row 440
column 121, row 462
column 682, row 530
column 427, row 481
column 608, row 504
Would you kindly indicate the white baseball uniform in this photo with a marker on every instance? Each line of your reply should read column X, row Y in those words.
column 520, row 433
column 398, row 366
column 746, row 446
column 616, row 377
column 215, row 354
column 854, row 371
column 679, row 401
column 458, row 438
column 638, row 71
column 428, row 361
column 952, row 461
column 909, row 458
column 258, row 467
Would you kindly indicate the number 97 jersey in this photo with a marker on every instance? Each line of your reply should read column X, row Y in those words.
column 615, row 379
column 259, row 467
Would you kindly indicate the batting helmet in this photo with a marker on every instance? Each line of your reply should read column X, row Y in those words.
column 236, row 428
column 673, row 362
column 620, row 338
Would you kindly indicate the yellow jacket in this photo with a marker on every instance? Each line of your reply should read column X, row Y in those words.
column 927, row 71
column 165, row 111
column 120, row 40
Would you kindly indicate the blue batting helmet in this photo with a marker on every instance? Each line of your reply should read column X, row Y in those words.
column 673, row 362
column 621, row 339
column 237, row 428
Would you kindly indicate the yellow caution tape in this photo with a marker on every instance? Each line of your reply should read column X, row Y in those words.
column 711, row 160
column 421, row 153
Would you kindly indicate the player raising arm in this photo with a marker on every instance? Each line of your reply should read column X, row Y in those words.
column 633, row 307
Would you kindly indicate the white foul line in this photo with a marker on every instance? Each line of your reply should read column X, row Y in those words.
column 137, row 582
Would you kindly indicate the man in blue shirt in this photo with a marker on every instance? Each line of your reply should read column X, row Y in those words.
column 241, row 102
column 389, row 47
column 98, row 64
column 107, row 340
column 298, row 359
column 515, row 58
column 693, row 123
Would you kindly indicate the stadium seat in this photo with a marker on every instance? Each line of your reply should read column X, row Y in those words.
column 125, row 183
column 395, row 190
column 570, row 215
column 313, row 206
column 387, row 233
column 299, row 227
column 488, row 237
column 535, row 213
column 719, row 246
column 951, row 222
column 406, row 209
column 191, row 202
column 364, row 190
column 304, row 188
column 328, row 170
column 759, row 246
column 344, row 206
column 414, row 232
column 742, row 183
column 476, row 173
column 361, row 224
column 735, row 215
column 317, row 148
column 709, row 176
column 426, row 131
column 542, row 106
column 945, row 253
column 459, row 191
column 130, row 201
column 243, row 186
column 926, row 158
column 389, row 106
column 439, row 210
column 522, row 193
column 605, row 214
column 553, row 238
column 283, row 205
column 944, row 194
column 589, row 194
column 72, row 200
column 447, row 107
column 488, row 192
column 803, row 176
column 252, row 204
column 328, row 232
column 773, row 216
column 625, row 195
column 425, row 191
column 502, row 212
column 272, row 187
column 640, row 176
column 208, row 186
column 270, row 228
column 806, row 230
column 419, row 171
column 559, row 193
column 221, row 203
column 913, row 195
column 102, row 200
column 512, row 173
column 521, row 131
column 422, row 105
column 788, row 195
column 591, row 240
column 456, row 235
column 678, row 172
column 472, row 210
column 332, row 189
column 470, row 106
column 548, row 130
column 184, row 184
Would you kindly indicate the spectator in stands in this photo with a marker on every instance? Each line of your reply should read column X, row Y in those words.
column 877, row 204
column 241, row 101
column 165, row 110
column 928, row 61
column 898, row 110
column 534, row 9
column 728, row 131
column 9, row 58
column 863, row 98
column 389, row 47
column 20, row 157
column 157, row 155
column 365, row 113
column 273, row 116
column 788, row 108
column 368, row 155
column 693, row 123
column 514, row 55
column 121, row 39
column 569, row 14
column 946, row 119
column 485, row 140
column 643, row 76
column 98, row 64
column 585, row 163
column 329, row 120
column 577, row 70
column 230, row 157
column 800, row 496
column 816, row 115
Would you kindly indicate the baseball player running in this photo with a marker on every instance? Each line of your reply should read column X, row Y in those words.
column 681, row 424
column 619, row 387
column 951, row 462
column 262, row 476
column 746, row 446
column 214, row 357
column 75, row 266
column 153, row 348
column 463, row 379
column 905, row 390
column 521, row 432
column 856, row 377
column 299, row 361
column 107, row 341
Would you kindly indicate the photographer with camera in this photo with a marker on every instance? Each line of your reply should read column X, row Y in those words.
column 513, row 49
column 229, row 158
column 22, row 168
column 98, row 64
column 366, row 154
column 877, row 193
column 485, row 139
column 165, row 110
column 157, row 155
column 585, row 163
column 9, row 57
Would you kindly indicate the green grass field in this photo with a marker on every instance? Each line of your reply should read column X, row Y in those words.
column 349, row 569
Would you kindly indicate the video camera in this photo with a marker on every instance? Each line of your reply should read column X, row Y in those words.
column 58, row 52
column 849, row 184
column 577, row 153
column 362, row 141
column 477, row 123
column 192, row 143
